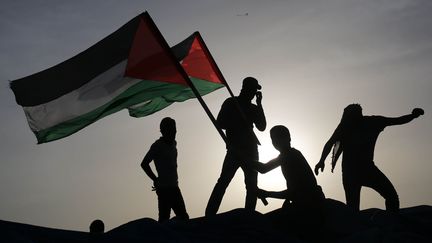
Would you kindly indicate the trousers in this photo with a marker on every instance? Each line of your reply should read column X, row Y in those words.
column 371, row 177
column 231, row 164
column 170, row 198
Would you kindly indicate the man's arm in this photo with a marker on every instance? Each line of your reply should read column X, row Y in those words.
column 260, row 121
column 264, row 168
column 325, row 152
column 280, row 194
column 145, row 165
column 223, row 115
column 391, row 121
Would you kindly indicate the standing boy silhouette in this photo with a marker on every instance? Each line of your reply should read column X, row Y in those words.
column 164, row 154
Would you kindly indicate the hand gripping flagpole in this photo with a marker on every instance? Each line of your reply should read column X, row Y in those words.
column 185, row 76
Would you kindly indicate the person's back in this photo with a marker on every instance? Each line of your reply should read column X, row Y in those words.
column 301, row 182
column 359, row 143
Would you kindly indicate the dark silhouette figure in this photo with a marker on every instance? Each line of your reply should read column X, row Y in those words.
column 164, row 154
column 356, row 136
column 242, row 145
column 304, row 199
column 97, row 227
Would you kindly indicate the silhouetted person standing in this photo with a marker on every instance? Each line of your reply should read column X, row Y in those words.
column 356, row 136
column 164, row 154
column 242, row 145
column 303, row 196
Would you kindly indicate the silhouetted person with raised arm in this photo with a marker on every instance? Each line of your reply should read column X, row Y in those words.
column 356, row 137
column 304, row 198
column 164, row 154
column 242, row 145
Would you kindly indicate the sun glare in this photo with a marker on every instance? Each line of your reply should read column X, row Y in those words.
column 273, row 180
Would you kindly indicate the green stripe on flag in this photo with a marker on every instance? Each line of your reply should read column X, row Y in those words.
column 203, row 86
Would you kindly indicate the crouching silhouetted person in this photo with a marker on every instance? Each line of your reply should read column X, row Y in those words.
column 164, row 154
column 356, row 136
column 304, row 199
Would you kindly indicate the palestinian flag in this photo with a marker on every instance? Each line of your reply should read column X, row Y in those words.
column 134, row 65
column 201, row 68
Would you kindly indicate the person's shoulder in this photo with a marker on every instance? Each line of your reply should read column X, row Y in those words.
column 296, row 152
column 293, row 153
column 374, row 119
column 157, row 143
column 229, row 101
column 378, row 122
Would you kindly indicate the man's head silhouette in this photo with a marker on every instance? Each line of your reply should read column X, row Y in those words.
column 281, row 137
column 352, row 113
column 250, row 87
column 97, row 227
column 168, row 128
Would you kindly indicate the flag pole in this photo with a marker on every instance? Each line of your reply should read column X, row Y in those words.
column 222, row 78
column 186, row 77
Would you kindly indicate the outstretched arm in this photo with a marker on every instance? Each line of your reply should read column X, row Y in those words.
column 273, row 194
column 404, row 119
column 264, row 168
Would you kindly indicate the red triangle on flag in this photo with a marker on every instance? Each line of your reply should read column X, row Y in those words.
column 149, row 59
column 198, row 64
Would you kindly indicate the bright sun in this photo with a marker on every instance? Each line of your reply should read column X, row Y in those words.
column 273, row 180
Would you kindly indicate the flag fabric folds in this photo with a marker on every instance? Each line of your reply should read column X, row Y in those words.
column 195, row 59
column 131, row 68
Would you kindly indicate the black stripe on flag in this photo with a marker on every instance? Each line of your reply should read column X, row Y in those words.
column 181, row 50
column 54, row 82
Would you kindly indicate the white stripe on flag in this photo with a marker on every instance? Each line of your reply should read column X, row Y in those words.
column 87, row 98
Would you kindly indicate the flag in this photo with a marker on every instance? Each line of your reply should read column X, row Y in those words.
column 199, row 65
column 131, row 66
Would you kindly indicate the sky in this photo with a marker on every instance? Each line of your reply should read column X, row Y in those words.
column 312, row 58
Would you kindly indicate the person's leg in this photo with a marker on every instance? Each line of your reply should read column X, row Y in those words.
column 380, row 183
column 178, row 204
column 164, row 204
column 251, row 181
column 352, row 189
column 229, row 169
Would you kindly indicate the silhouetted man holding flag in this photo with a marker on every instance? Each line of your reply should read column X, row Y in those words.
column 238, row 116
